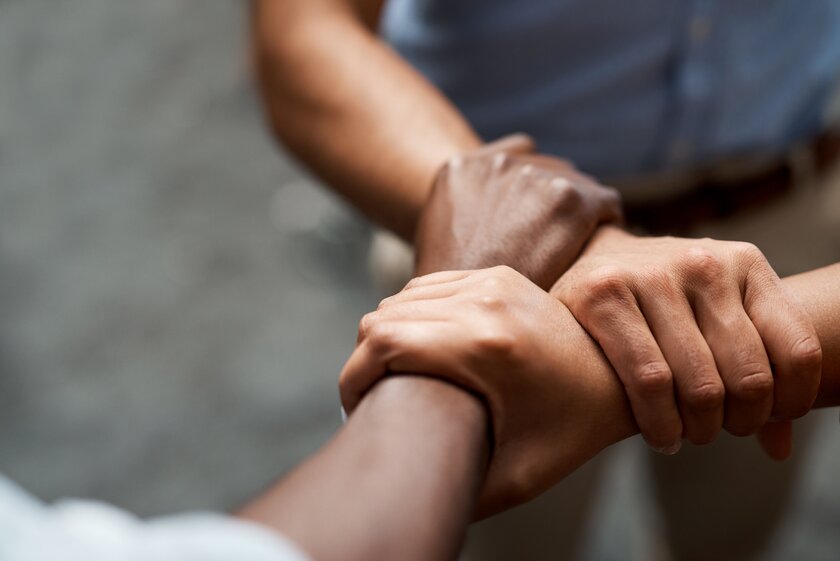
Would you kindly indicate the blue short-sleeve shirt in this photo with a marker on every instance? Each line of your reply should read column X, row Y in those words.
column 630, row 86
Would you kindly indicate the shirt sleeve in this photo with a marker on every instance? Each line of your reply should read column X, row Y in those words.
column 88, row 531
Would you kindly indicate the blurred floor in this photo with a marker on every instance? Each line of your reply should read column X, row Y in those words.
column 174, row 303
column 175, row 299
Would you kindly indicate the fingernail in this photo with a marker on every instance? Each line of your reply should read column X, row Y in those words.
column 669, row 450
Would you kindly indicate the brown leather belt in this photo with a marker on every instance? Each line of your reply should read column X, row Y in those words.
column 711, row 197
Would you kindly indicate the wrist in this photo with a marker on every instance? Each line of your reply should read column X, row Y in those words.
column 606, row 237
column 609, row 233
column 442, row 406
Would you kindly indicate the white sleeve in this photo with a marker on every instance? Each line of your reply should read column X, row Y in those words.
column 88, row 531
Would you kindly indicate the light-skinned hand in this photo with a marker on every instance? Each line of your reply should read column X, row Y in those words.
column 702, row 333
column 553, row 399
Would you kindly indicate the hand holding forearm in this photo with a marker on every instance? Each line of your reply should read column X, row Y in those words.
column 554, row 400
column 701, row 332
column 503, row 204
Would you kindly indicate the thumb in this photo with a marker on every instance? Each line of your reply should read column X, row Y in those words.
column 776, row 439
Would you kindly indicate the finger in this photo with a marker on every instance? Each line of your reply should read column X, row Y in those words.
column 360, row 372
column 518, row 143
column 699, row 388
column 422, row 293
column 437, row 278
column 776, row 439
column 792, row 345
column 549, row 165
column 396, row 308
column 417, row 347
column 613, row 318
column 740, row 357
column 611, row 208
column 434, row 309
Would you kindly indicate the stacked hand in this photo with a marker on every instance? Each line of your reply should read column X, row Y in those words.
column 505, row 205
column 702, row 334
column 553, row 399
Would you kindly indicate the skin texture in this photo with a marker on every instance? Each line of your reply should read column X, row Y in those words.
column 554, row 399
column 377, row 132
column 398, row 481
column 487, row 205
column 702, row 333
column 366, row 496
column 818, row 292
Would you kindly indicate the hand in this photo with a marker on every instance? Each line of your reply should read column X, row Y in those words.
column 692, row 328
column 505, row 205
column 554, row 401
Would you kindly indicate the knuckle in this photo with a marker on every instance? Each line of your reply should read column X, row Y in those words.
column 413, row 283
column 382, row 338
column 385, row 302
column 525, row 170
column 491, row 284
column 365, row 324
column 496, row 343
column 503, row 271
column 495, row 279
column 511, row 166
column 491, row 302
column 502, row 160
column 706, row 396
column 749, row 253
column 753, row 383
column 567, row 197
column 606, row 283
column 806, row 355
column 732, row 323
column 701, row 265
column 653, row 379
column 447, row 173
column 610, row 196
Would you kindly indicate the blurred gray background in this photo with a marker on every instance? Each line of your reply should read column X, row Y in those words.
column 176, row 299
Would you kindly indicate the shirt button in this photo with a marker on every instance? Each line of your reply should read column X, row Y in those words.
column 700, row 29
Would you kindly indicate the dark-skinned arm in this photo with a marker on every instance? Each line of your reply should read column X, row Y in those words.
column 398, row 481
column 544, row 379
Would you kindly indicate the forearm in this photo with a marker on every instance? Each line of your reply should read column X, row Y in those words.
column 350, row 108
column 398, row 481
column 819, row 293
